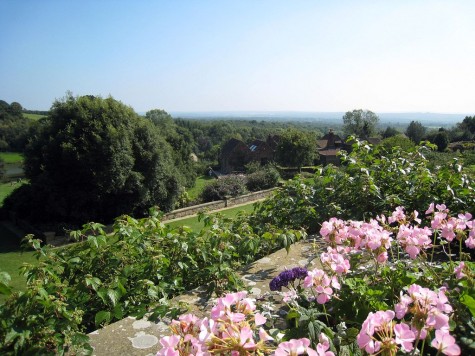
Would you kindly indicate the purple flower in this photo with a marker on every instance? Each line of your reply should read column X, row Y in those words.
column 286, row 277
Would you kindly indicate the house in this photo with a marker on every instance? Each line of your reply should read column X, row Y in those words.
column 234, row 156
column 260, row 152
column 328, row 148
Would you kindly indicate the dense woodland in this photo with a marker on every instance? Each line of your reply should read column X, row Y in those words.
column 90, row 158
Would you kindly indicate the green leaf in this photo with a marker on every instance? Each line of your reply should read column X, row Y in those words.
column 469, row 301
column 101, row 317
column 113, row 296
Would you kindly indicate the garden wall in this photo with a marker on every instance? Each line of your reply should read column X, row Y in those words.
column 219, row 204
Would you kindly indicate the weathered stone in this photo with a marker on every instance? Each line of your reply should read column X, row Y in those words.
column 141, row 337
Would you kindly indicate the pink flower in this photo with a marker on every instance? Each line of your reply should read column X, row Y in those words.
column 295, row 347
column 445, row 343
column 398, row 215
column 470, row 242
column 169, row 343
column 323, row 345
column 404, row 336
column 464, row 221
column 430, row 210
column 322, row 284
column 459, row 270
column 260, row 319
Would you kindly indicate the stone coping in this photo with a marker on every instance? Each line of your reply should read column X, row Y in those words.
column 141, row 337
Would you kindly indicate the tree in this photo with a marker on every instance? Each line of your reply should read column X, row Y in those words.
column 180, row 140
column 361, row 123
column 296, row 148
column 400, row 140
column 95, row 159
column 390, row 132
column 439, row 138
column 415, row 131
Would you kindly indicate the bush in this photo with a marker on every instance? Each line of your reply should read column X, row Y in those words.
column 370, row 180
column 107, row 277
column 227, row 186
column 266, row 178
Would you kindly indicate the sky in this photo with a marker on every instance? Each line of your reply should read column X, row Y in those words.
column 246, row 55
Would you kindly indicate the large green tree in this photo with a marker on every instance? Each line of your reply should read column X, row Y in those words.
column 361, row 123
column 415, row 131
column 296, row 148
column 95, row 159
column 14, row 127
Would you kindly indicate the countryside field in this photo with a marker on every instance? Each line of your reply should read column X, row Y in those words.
column 11, row 157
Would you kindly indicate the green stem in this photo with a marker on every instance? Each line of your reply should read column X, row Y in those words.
column 416, row 342
column 326, row 314
column 460, row 250
column 433, row 247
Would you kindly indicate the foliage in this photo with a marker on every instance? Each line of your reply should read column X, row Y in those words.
column 94, row 159
column 415, row 131
column 361, row 123
column 267, row 177
column 14, row 127
column 180, row 140
column 371, row 179
column 296, row 148
column 106, row 277
column 380, row 287
column 389, row 132
column 225, row 186
column 439, row 138
column 399, row 140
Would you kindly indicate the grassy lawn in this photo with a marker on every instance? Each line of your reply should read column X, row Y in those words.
column 196, row 225
column 11, row 258
column 33, row 117
column 7, row 188
column 11, row 157
column 201, row 181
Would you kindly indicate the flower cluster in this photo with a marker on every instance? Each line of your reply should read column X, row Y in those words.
column 427, row 311
column 233, row 328
column 355, row 236
column 286, row 277
column 452, row 227
column 322, row 284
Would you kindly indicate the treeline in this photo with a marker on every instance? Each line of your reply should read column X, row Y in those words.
column 14, row 127
column 93, row 159
column 210, row 135
column 416, row 132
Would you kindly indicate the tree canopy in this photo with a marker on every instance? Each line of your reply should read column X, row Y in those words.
column 296, row 148
column 361, row 123
column 14, row 127
column 95, row 159
column 415, row 131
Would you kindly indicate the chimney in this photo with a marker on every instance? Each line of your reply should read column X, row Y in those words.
column 331, row 139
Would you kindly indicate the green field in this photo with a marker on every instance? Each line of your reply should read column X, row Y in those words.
column 7, row 188
column 11, row 157
column 34, row 117
column 196, row 225
column 201, row 181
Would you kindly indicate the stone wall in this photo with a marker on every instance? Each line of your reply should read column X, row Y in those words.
column 215, row 205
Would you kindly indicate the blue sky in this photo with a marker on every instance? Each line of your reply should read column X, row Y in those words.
column 385, row 56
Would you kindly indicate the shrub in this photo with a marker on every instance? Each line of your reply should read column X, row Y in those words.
column 227, row 186
column 106, row 277
column 370, row 180
column 266, row 178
